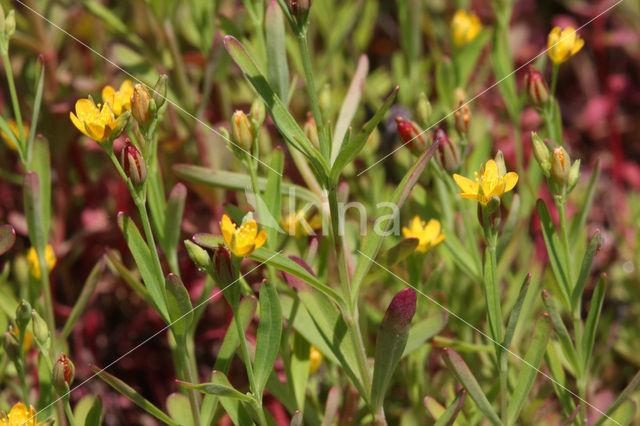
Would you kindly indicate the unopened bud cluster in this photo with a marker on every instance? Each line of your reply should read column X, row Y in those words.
column 133, row 164
column 556, row 165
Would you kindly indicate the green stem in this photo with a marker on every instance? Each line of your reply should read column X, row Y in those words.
column 554, row 80
column 325, row 146
column 67, row 410
column 14, row 96
column 48, row 300
column 187, row 371
column 245, row 355
column 178, row 63
column 21, row 374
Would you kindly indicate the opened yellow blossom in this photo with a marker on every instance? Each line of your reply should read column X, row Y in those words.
column 315, row 359
column 19, row 415
column 119, row 100
column 13, row 126
column 296, row 225
column 464, row 27
column 428, row 234
column 563, row 44
column 34, row 265
column 94, row 121
column 243, row 241
column 488, row 182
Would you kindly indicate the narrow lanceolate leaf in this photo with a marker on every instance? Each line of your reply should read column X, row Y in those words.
column 560, row 328
column 553, row 248
column 462, row 373
column 373, row 241
column 133, row 396
column 88, row 289
column 349, row 106
column 577, row 224
column 277, row 67
column 273, row 190
column 391, row 341
column 41, row 165
column 350, row 150
column 152, row 277
column 300, row 364
column 178, row 304
column 173, row 216
column 179, row 409
column 529, row 368
column 283, row 120
column 591, row 325
column 219, row 386
column 397, row 253
column 33, row 211
column 7, row 238
column 424, row 330
column 585, row 270
column 622, row 398
column 515, row 312
column 448, row 416
column 268, row 335
column 246, row 309
column 296, row 419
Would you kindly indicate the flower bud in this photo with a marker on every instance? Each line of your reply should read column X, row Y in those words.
column 23, row 315
column 459, row 96
column 409, row 133
column 448, row 154
column 536, row 87
column 119, row 125
column 40, row 328
column 560, row 166
column 198, row 255
column 10, row 24
column 574, row 174
column 258, row 112
column 11, row 345
column 311, row 130
column 133, row 164
column 499, row 159
column 462, row 118
column 224, row 270
column 299, row 7
column 63, row 373
column 160, row 91
column 140, row 105
column 541, row 152
column 424, row 109
column 242, row 130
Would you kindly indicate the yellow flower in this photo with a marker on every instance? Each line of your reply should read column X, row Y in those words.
column 13, row 125
column 315, row 359
column 94, row 121
column 34, row 265
column 464, row 27
column 19, row 415
column 243, row 241
column 120, row 100
column 28, row 338
column 428, row 234
column 292, row 224
column 563, row 44
column 488, row 182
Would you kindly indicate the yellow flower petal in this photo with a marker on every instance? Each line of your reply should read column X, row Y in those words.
column 228, row 229
column 510, row 180
column 432, row 230
column 260, row 239
column 465, row 184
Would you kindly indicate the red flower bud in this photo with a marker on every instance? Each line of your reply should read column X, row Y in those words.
column 299, row 7
column 63, row 373
column 223, row 268
column 133, row 164
column 410, row 134
column 536, row 87
column 448, row 154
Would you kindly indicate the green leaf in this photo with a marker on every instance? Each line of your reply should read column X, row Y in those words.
column 153, row 279
column 218, row 386
column 515, row 312
column 179, row 409
column 391, row 341
column 559, row 378
column 425, row 330
column 37, row 104
column 349, row 106
column 445, row 82
column 235, row 181
column 465, row 60
column 88, row 411
column 273, row 190
column 591, row 325
column 462, row 373
column 178, row 304
column 503, row 71
column 579, row 220
column 373, row 241
column 553, row 249
column 585, row 270
column 157, row 203
column 622, row 398
column 461, row 256
column 277, row 67
column 349, row 151
column 623, row 415
column 88, row 289
column 559, row 327
column 118, row 269
column 133, row 396
column 445, row 417
column 283, row 120
column 268, row 335
column 296, row 419
column 7, row 238
column 41, row 165
column 300, row 365
column 173, row 217
column 33, row 211
column 397, row 253
column 529, row 368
